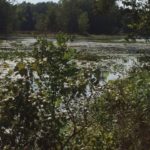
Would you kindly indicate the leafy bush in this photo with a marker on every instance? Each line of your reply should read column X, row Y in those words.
column 42, row 101
column 123, row 113
column 47, row 103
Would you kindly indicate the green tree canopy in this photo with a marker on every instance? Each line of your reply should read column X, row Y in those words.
column 6, row 16
column 83, row 23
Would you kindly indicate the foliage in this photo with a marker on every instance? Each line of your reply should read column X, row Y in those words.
column 43, row 102
column 25, row 19
column 138, row 18
column 122, row 113
column 73, row 16
column 13, row 55
column 83, row 23
column 6, row 17
column 41, row 23
column 48, row 102
column 67, row 16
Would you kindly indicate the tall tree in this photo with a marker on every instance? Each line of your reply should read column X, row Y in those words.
column 138, row 17
column 41, row 23
column 52, row 13
column 26, row 17
column 83, row 23
column 6, row 16
column 68, row 15
column 104, row 17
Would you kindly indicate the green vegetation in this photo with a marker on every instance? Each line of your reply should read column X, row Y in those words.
column 77, row 16
column 6, row 16
column 49, row 102
column 8, row 55
column 83, row 23
column 44, row 104
column 122, row 113
column 71, row 16
column 138, row 14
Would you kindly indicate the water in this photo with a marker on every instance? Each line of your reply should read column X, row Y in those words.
column 112, row 68
column 26, row 43
column 115, row 59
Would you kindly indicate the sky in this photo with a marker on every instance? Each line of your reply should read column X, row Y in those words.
column 36, row 1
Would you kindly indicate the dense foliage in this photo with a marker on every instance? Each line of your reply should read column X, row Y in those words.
column 122, row 113
column 77, row 16
column 6, row 16
column 45, row 104
column 138, row 12
column 72, row 16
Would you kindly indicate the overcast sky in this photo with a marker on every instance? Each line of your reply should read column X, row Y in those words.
column 36, row 1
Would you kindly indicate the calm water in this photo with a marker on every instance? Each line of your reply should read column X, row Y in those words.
column 116, row 58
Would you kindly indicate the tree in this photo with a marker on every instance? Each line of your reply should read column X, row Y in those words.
column 46, row 106
column 83, row 23
column 104, row 6
column 53, row 21
column 6, row 16
column 41, row 23
column 138, row 21
column 25, row 16
column 68, row 16
column 105, row 17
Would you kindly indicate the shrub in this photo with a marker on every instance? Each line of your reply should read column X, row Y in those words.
column 123, row 113
column 44, row 105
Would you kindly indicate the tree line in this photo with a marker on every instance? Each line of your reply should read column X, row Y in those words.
column 70, row 16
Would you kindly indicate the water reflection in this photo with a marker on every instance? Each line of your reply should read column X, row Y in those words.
column 106, row 69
